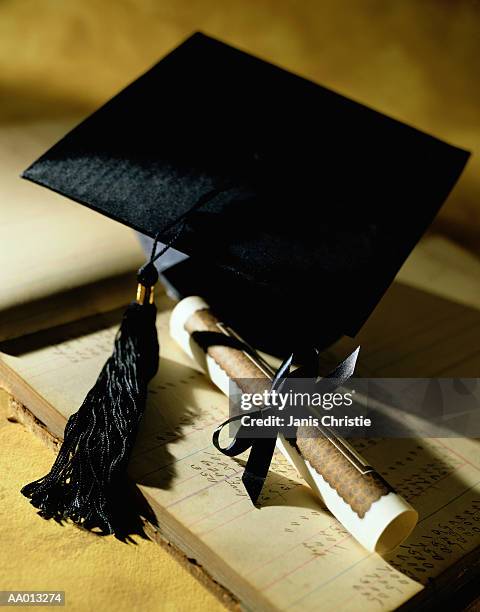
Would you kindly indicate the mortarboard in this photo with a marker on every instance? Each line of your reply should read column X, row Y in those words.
column 296, row 205
column 327, row 197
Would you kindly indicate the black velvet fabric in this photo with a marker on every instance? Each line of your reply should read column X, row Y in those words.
column 328, row 196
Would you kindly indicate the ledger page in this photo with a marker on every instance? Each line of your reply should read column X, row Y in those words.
column 289, row 554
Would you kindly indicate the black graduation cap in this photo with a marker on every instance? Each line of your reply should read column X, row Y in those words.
column 327, row 197
column 299, row 206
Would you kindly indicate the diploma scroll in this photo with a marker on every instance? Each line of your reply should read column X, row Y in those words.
column 353, row 491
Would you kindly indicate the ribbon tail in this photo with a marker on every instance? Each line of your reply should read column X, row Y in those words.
column 346, row 369
column 257, row 467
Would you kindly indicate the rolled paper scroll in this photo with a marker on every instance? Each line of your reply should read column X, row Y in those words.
column 365, row 504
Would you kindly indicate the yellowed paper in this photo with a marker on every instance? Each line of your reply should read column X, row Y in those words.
column 291, row 554
column 389, row 519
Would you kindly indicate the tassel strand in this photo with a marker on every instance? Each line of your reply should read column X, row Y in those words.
column 99, row 437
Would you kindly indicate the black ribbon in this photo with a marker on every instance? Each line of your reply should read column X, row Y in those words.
column 262, row 449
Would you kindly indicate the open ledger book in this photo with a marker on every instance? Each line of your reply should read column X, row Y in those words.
column 291, row 553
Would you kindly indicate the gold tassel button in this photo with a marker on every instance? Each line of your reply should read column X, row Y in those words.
column 145, row 294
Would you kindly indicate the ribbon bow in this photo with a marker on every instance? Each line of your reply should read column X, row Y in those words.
column 262, row 449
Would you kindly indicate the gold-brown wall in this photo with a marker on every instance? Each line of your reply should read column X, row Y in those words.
column 418, row 60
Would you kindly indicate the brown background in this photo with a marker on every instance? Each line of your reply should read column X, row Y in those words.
column 416, row 60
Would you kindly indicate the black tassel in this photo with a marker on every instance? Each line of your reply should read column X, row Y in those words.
column 99, row 437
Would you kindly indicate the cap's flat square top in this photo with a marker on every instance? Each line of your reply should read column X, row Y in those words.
column 327, row 196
